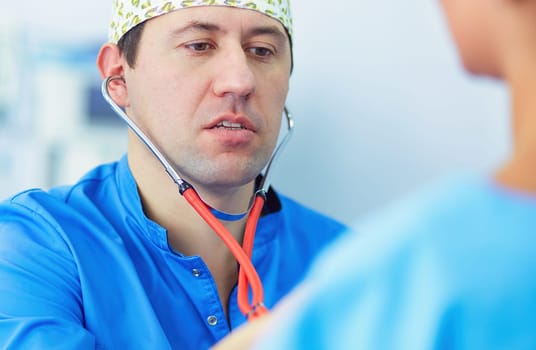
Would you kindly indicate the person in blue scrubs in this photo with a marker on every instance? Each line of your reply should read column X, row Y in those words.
column 454, row 265
column 120, row 260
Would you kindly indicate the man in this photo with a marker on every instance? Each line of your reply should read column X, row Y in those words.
column 452, row 267
column 120, row 260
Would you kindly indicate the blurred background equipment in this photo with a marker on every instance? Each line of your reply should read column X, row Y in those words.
column 54, row 126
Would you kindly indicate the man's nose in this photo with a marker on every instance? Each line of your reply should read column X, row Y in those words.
column 234, row 76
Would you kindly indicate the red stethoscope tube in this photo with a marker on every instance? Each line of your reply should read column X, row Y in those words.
column 247, row 275
column 256, row 308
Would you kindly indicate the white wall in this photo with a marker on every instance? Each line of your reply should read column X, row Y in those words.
column 382, row 105
column 380, row 100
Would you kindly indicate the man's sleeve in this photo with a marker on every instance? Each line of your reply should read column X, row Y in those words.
column 40, row 299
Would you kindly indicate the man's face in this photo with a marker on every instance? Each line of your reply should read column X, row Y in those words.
column 208, row 87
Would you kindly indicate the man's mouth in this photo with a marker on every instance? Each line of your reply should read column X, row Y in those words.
column 230, row 125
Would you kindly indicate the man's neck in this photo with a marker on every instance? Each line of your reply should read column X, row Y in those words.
column 519, row 172
column 188, row 233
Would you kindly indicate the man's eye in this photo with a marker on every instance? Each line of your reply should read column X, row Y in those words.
column 261, row 51
column 199, row 46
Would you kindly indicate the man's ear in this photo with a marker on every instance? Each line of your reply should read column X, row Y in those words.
column 110, row 63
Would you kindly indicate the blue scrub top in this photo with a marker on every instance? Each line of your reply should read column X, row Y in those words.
column 452, row 267
column 82, row 267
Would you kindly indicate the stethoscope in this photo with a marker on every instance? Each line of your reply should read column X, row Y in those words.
column 247, row 274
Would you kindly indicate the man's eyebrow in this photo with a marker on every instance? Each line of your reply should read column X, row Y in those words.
column 196, row 26
column 268, row 30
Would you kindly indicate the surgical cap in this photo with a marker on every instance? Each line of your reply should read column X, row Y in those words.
column 129, row 13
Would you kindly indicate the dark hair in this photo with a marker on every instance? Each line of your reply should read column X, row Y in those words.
column 128, row 45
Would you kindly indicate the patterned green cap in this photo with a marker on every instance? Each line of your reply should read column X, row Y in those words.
column 128, row 13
